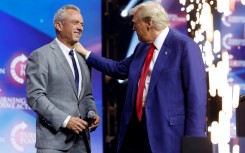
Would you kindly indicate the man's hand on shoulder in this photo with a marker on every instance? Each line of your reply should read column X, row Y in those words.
column 80, row 49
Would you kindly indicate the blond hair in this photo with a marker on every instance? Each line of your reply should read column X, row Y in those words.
column 153, row 11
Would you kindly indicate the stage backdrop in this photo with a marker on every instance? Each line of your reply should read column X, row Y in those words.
column 233, row 41
column 25, row 26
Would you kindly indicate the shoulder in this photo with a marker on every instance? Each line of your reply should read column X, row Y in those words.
column 181, row 38
column 45, row 49
column 180, row 42
column 141, row 45
column 42, row 53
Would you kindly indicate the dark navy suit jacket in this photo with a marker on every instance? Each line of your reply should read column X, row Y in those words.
column 176, row 101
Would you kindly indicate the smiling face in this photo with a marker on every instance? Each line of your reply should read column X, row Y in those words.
column 70, row 29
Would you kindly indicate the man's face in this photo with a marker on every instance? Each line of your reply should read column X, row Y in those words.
column 72, row 27
column 140, row 27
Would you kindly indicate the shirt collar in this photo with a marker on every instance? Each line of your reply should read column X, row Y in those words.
column 63, row 46
column 158, row 42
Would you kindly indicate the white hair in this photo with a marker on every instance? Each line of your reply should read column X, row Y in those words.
column 60, row 15
column 153, row 11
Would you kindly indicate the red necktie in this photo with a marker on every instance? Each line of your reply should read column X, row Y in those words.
column 141, row 86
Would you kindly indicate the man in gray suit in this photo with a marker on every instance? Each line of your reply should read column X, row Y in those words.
column 59, row 89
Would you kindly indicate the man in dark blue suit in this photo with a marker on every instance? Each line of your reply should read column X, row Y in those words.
column 173, row 101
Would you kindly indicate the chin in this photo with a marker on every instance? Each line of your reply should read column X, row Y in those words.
column 76, row 40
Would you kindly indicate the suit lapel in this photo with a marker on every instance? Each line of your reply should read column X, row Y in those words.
column 84, row 73
column 63, row 62
column 161, row 61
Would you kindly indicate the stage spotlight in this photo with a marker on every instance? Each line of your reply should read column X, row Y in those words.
column 243, row 2
column 122, row 81
column 124, row 12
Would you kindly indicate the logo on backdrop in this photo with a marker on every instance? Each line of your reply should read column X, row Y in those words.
column 17, row 68
column 20, row 136
column 14, row 103
column 228, row 41
column 227, row 20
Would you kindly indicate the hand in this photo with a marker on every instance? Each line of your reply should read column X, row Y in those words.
column 77, row 125
column 94, row 123
column 80, row 49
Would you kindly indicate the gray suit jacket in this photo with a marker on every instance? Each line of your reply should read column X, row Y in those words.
column 51, row 93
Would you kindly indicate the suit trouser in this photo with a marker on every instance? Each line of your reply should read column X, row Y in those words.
column 136, row 138
column 77, row 147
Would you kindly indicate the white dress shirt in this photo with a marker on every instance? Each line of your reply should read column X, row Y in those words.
column 66, row 51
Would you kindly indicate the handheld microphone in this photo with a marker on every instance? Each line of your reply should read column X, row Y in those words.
column 85, row 134
column 90, row 117
column 86, row 137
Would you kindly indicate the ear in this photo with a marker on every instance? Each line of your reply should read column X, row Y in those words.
column 149, row 24
column 58, row 25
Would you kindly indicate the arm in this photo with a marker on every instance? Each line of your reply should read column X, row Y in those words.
column 36, row 86
column 39, row 96
column 194, row 77
column 117, row 69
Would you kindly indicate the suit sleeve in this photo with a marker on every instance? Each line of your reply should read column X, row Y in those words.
column 116, row 69
column 194, row 78
column 36, row 86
